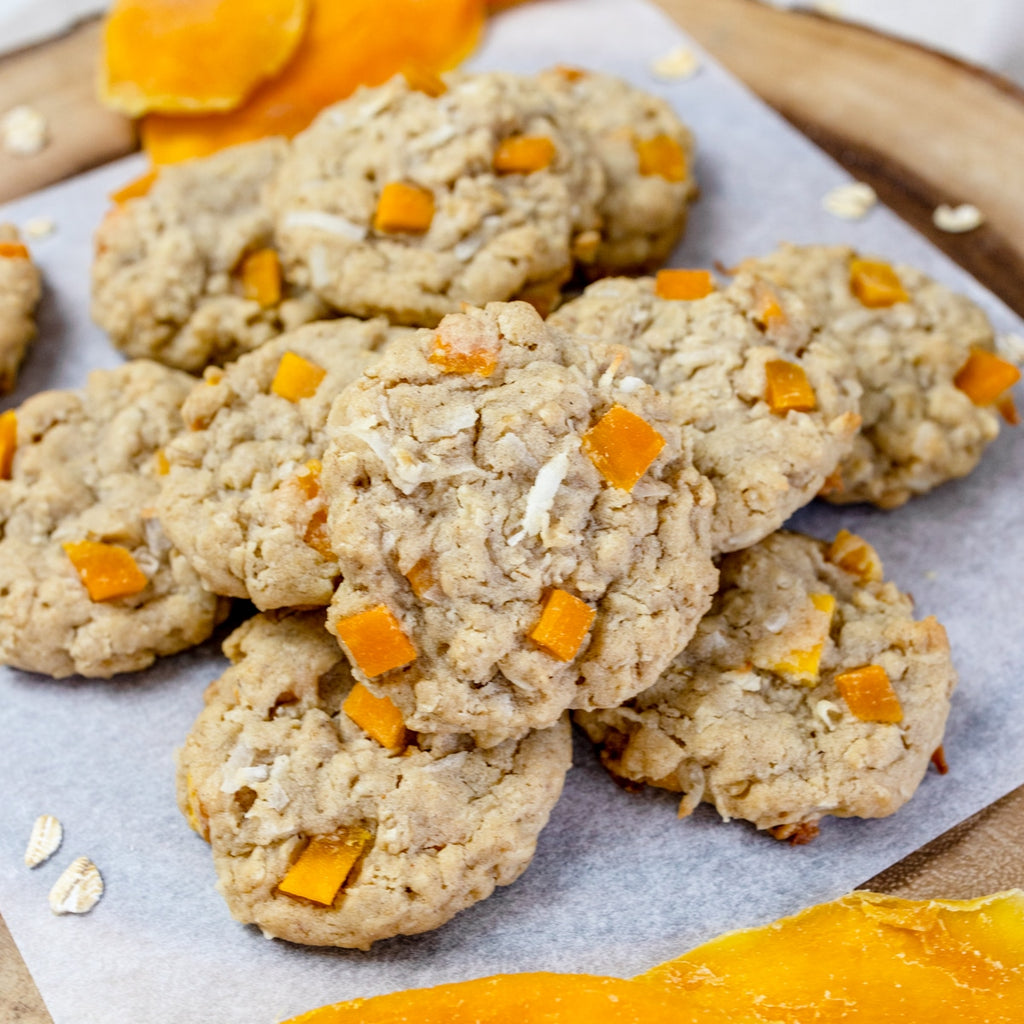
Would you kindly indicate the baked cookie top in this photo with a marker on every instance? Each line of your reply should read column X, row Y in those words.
column 187, row 273
column 404, row 204
column 89, row 582
column 808, row 690
column 713, row 357
column 275, row 767
column 647, row 154
column 908, row 344
column 519, row 517
column 20, row 288
column 241, row 496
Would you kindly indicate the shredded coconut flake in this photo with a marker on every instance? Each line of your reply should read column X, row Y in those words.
column 957, row 219
column 467, row 248
column 39, row 227
column 678, row 63
column 24, row 131
column 776, row 623
column 831, row 714
column 330, row 223
column 630, row 385
column 542, row 497
column 851, row 201
column 1011, row 347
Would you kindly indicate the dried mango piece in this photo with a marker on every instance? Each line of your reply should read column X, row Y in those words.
column 421, row 578
column 683, row 284
column 163, row 467
column 403, row 209
column 523, row 154
column 856, row 556
column 135, row 189
column 296, row 378
column 376, row 641
column 622, row 446
column 767, row 311
column 13, row 251
column 324, row 865
column 865, row 957
column 315, row 535
column 8, row 442
column 107, row 571
column 194, row 55
column 787, row 387
column 661, row 155
column 195, row 813
column 564, row 623
column 376, row 716
column 261, row 277
column 1008, row 410
column 869, row 694
column 802, row 665
column 424, row 80
column 464, row 353
column 984, row 377
column 876, row 284
column 347, row 43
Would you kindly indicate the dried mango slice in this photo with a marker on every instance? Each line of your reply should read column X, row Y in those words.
column 683, row 284
column 622, row 446
column 564, row 623
column 296, row 378
column 261, row 277
column 324, row 865
column 768, row 313
column 864, row 957
column 8, row 442
column 424, row 80
column 463, row 353
column 421, row 578
column 13, row 251
column 107, row 571
column 194, row 55
column 307, row 481
column 802, row 665
column 1008, row 410
column 856, row 556
column 376, row 716
column 787, row 387
column 163, row 467
column 661, row 155
column 876, row 284
column 523, row 154
column 347, row 43
column 135, row 189
column 984, row 377
column 376, row 641
column 869, row 694
column 403, row 208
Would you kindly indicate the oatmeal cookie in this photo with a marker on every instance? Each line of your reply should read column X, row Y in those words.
column 710, row 356
column 85, row 471
column 472, row 507
column 172, row 278
column 241, row 496
column 274, row 763
column 919, row 429
column 760, row 715
column 647, row 154
column 20, row 288
column 399, row 203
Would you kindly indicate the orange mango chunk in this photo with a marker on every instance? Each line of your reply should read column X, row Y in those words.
column 261, row 277
column 869, row 694
column 1008, row 410
column 8, row 442
column 661, row 155
column 564, row 623
column 856, row 556
column 376, row 641
column 195, row 813
column 529, row 998
column 296, row 378
column 876, row 284
column 376, row 716
column 787, row 387
column 13, row 251
column 107, row 571
column 324, row 865
column 134, row 189
column 523, row 154
column 683, row 284
column 403, row 208
column 422, row 79
column 767, row 311
column 622, row 446
column 984, row 377
column 464, row 353
column 421, row 578
column 862, row 959
column 802, row 666
column 163, row 467
column 194, row 55
column 315, row 534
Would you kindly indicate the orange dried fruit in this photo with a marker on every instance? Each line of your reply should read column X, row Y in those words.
column 869, row 694
column 403, row 209
column 376, row 641
column 661, row 155
column 8, row 442
column 876, row 284
column 461, row 352
column 376, row 716
column 984, row 377
column 802, row 665
column 135, row 189
column 856, row 556
column 107, row 571
column 296, row 378
column 421, row 578
column 787, row 387
column 13, row 251
column 261, row 277
column 347, row 43
column 324, row 865
column 622, row 446
column 194, row 55
column 424, row 80
column 564, row 623
column 683, row 284
column 523, row 154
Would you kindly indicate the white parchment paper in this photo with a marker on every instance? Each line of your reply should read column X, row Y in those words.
column 618, row 883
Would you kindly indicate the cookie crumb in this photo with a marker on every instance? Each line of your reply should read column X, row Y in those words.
column 24, row 131
column 851, row 201
column 39, row 227
column 45, row 840
column 1010, row 347
column 957, row 219
column 676, row 65
column 78, row 890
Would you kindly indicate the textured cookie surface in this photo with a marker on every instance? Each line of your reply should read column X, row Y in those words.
column 167, row 279
column 85, row 469
column 919, row 430
column 241, row 497
column 749, row 720
column 460, row 498
column 20, row 288
column 709, row 356
column 486, row 236
column 273, row 761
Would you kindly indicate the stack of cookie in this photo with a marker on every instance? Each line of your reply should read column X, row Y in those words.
column 461, row 522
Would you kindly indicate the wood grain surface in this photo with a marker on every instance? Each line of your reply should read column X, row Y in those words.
column 920, row 127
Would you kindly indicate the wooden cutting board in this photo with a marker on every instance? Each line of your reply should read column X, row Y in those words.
column 920, row 127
